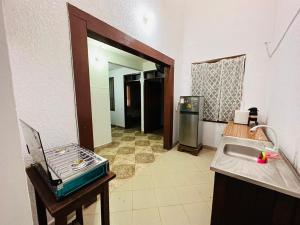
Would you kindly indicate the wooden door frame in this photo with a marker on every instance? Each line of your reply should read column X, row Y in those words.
column 82, row 26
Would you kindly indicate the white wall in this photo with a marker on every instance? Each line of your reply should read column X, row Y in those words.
column 99, row 58
column 118, row 116
column 214, row 29
column 283, row 99
column 39, row 49
column 41, row 65
column 15, row 205
column 38, row 37
column 40, row 55
column 99, row 87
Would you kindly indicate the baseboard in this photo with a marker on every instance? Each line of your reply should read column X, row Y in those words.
column 204, row 146
column 112, row 125
column 191, row 150
column 103, row 146
column 176, row 143
column 209, row 147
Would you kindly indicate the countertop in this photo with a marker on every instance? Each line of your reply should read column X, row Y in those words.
column 277, row 174
column 243, row 131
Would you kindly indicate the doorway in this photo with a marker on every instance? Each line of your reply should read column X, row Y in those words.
column 82, row 26
column 154, row 102
column 132, row 100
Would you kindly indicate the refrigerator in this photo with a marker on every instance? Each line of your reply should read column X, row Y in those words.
column 191, row 121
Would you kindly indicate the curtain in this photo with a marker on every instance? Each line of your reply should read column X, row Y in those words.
column 221, row 84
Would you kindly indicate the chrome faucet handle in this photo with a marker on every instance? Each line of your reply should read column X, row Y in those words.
column 275, row 148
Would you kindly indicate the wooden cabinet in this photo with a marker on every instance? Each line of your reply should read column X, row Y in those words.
column 237, row 202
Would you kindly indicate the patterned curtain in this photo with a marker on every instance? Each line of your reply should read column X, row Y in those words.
column 221, row 84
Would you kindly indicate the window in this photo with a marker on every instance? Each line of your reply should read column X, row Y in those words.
column 220, row 81
column 112, row 93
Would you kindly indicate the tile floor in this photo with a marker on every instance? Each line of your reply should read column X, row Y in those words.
column 174, row 190
column 130, row 150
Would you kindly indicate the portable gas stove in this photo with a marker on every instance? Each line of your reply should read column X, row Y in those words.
column 66, row 168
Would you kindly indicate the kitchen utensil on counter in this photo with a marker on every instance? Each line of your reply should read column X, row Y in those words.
column 253, row 115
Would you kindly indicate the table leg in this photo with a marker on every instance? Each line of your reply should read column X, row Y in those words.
column 41, row 210
column 79, row 217
column 62, row 220
column 105, row 205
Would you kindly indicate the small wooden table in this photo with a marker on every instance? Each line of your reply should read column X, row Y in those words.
column 61, row 209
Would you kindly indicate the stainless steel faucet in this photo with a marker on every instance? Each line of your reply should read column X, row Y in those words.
column 275, row 147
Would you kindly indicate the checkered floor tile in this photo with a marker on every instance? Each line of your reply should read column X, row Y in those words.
column 130, row 150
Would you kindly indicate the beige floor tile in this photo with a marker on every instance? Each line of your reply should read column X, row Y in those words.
column 181, row 179
column 93, row 208
column 123, row 171
column 162, row 180
column 120, row 201
column 121, row 218
column 203, row 164
column 182, row 198
column 126, row 148
column 127, row 144
column 210, row 205
column 158, row 155
column 124, row 159
column 143, row 199
column 198, row 213
column 146, row 217
column 207, row 153
column 159, row 168
column 184, row 166
column 188, row 194
column 206, row 190
column 125, row 185
column 142, row 182
column 92, row 219
column 143, row 149
column 173, row 215
column 142, row 169
column 108, row 151
column 166, row 197
column 199, row 177
column 144, row 158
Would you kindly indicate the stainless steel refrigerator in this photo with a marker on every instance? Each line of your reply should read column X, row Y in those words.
column 191, row 121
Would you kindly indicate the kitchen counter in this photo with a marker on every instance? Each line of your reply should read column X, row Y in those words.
column 243, row 131
column 277, row 174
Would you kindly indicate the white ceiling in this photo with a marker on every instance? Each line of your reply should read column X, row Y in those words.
column 115, row 50
column 112, row 66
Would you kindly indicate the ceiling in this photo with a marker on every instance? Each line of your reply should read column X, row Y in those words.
column 115, row 50
column 112, row 66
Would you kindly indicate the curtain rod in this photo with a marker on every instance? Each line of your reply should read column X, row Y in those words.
column 218, row 59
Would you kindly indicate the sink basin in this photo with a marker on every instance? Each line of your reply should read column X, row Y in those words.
column 240, row 151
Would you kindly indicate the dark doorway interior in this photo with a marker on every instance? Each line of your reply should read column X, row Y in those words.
column 154, row 104
column 132, row 100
